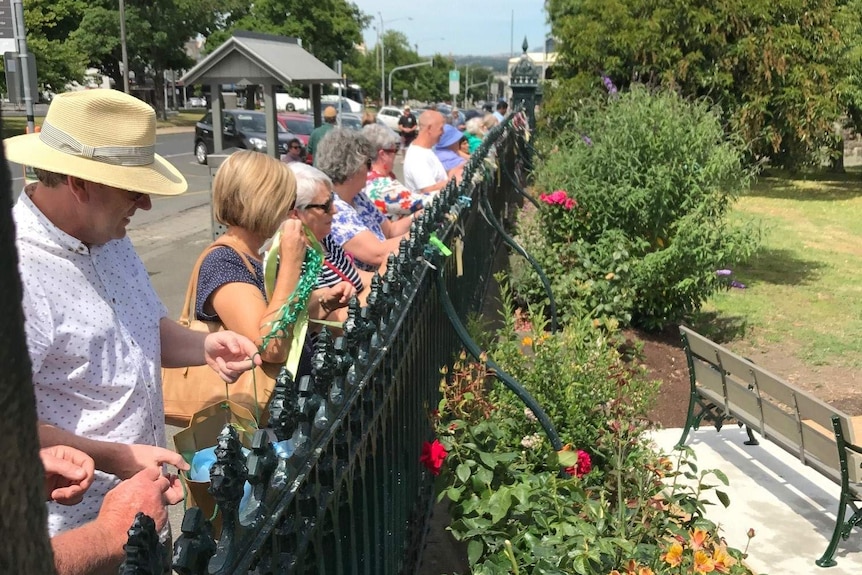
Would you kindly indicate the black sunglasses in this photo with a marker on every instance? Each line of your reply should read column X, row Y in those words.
column 325, row 206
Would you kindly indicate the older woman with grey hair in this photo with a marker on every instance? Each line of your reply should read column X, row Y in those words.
column 345, row 156
column 315, row 208
column 390, row 196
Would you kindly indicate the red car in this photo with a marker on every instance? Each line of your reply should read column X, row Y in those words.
column 300, row 125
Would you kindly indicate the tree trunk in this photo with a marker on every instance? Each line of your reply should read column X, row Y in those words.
column 159, row 94
column 25, row 547
column 838, row 160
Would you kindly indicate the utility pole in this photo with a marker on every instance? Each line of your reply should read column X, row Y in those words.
column 123, row 47
column 24, row 63
column 382, row 62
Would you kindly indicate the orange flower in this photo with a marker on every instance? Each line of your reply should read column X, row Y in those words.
column 527, row 340
column 722, row 559
column 645, row 571
column 698, row 538
column 673, row 556
column 614, row 572
column 703, row 563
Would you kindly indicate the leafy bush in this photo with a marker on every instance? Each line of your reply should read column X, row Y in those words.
column 654, row 178
column 519, row 513
column 587, row 280
column 570, row 374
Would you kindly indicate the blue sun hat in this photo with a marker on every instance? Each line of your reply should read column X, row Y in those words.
column 451, row 134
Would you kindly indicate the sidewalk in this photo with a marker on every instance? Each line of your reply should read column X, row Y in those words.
column 790, row 506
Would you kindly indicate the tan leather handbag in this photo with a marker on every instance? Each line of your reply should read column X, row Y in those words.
column 188, row 390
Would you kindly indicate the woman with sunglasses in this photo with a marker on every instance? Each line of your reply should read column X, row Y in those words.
column 295, row 153
column 390, row 196
column 253, row 195
column 345, row 156
column 315, row 208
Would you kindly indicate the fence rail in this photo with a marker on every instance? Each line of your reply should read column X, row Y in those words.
column 352, row 497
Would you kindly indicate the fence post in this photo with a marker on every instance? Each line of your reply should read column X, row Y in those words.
column 524, row 82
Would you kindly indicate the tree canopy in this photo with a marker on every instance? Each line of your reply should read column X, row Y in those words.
column 781, row 69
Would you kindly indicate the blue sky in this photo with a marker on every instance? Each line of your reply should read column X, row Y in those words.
column 460, row 27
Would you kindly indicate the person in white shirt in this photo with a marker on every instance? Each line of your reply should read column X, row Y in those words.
column 96, row 331
column 423, row 171
column 501, row 111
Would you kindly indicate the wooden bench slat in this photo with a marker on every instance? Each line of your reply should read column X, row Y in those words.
column 788, row 416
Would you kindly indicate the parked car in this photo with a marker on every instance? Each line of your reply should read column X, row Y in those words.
column 300, row 125
column 352, row 121
column 244, row 129
column 389, row 115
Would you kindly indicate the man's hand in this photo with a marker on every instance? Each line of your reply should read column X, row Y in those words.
column 229, row 354
column 148, row 491
column 129, row 460
column 68, row 473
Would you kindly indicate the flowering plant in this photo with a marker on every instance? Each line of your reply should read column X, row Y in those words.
column 559, row 198
column 433, row 456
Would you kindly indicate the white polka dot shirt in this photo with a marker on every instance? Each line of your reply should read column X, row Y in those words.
column 92, row 325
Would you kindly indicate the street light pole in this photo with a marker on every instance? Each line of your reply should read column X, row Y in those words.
column 396, row 68
column 123, row 46
column 382, row 62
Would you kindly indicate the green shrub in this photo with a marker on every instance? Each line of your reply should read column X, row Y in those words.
column 654, row 178
column 519, row 514
column 570, row 374
column 587, row 280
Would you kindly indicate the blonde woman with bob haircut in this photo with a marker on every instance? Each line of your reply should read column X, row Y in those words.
column 253, row 195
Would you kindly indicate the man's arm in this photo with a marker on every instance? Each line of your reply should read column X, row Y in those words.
column 119, row 459
column 227, row 353
column 97, row 547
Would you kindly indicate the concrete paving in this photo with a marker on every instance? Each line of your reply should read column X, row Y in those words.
column 790, row 506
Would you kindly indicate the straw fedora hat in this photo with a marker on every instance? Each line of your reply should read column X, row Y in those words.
column 102, row 136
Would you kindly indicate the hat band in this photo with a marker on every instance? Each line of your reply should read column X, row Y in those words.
column 56, row 138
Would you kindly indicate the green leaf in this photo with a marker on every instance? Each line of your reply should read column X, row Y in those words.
column 474, row 551
column 499, row 504
column 567, row 458
column 463, row 472
column 489, row 460
column 454, row 493
column 719, row 474
column 722, row 496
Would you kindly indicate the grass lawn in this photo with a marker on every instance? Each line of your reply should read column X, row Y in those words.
column 804, row 288
column 15, row 125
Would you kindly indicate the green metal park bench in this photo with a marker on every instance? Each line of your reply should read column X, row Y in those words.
column 726, row 387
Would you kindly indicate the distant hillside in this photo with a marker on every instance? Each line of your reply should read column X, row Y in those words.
column 497, row 63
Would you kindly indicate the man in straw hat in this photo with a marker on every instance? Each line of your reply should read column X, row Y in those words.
column 96, row 331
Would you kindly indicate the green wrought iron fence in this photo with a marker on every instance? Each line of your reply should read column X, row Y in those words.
column 352, row 497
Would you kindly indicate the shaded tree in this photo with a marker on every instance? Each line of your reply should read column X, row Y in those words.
column 329, row 29
column 774, row 67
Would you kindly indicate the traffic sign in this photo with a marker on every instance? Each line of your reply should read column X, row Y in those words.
column 454, row 82
column 7, row 21
column 7, row 28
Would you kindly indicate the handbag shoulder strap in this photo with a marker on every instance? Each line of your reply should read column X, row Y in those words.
column 192, row 289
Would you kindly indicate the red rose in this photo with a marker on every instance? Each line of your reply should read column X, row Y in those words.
column 583, row 466
column 433, row 455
